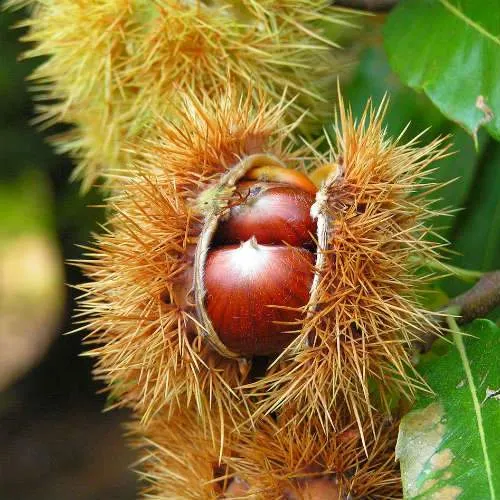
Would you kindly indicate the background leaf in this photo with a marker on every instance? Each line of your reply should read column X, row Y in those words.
column 373, row 79
column 451, row 50
column 439, row 446
column 476, row 235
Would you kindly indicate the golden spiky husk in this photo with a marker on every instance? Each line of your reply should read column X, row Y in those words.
column 115, row 65
column 269, row 461
column 144, row 336
column 280, row 458
column 181, row 456
column 352, row 354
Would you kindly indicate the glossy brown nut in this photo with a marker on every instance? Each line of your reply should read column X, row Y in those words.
column 243, row 281
column 272, row 212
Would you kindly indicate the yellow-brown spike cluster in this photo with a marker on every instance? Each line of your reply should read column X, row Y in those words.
column 364, row 313
column 115, row 65
column 300, row 462
column 268, row 462
column 331, row 388
column 152, row 345
column 137, row 306
column 181, row 456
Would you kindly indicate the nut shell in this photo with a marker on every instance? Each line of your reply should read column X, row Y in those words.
column 254, row 293
column 274, row 213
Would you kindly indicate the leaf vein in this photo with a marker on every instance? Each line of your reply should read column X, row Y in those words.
column 457, row 338
column 467, row 20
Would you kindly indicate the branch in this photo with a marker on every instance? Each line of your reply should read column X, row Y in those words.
column 370, row 5
column 476, row 302
column 481, row 299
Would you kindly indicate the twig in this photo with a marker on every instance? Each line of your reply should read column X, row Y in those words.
column 370, row 5
column 477, row 302
column 480, row 299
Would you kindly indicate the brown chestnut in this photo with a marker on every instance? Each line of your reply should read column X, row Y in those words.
column 272, row 212
column 253, row 293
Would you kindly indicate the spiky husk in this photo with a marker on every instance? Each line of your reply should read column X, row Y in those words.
column 352, row 354
column 279, row 459
column 189, row 459
column 115, row 65
column 181, row 456
column 355, row 345
column 147, row 342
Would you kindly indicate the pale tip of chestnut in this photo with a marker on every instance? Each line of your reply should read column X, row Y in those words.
column 250, row 244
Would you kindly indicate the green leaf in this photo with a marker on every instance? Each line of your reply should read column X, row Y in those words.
column 451, row 50
column 476, row 238
column 457, row 173
column 374, row 79
column 26, row 205
column 481, row 222
column 448, row 444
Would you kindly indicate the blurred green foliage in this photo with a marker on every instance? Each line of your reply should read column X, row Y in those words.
column 26, row 204
column 35, row 194
column 21, row 147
